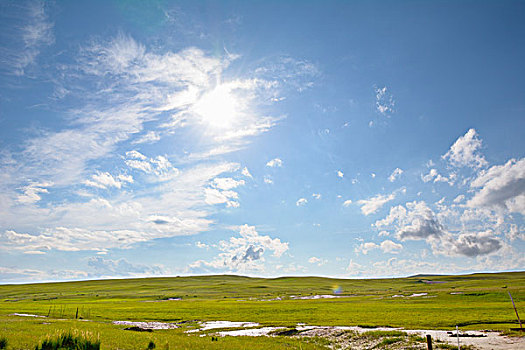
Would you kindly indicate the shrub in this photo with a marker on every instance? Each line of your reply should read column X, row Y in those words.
column 151, row 345
column 69, row 341
column 3, row 343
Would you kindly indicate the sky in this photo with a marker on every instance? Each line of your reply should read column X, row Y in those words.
column 350, row 139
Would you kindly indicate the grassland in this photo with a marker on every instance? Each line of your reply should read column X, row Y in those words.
column 478, row 301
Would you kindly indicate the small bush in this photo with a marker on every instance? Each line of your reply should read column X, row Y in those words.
column 388, row 341
column 69, row 341
column 3, row 343
column 151, row 345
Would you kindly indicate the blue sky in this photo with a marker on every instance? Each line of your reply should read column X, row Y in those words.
column 263, row 138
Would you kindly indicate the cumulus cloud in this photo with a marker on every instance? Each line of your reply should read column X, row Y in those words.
column 501, row 188
column 416, row 221
column 316, row 195
column 434, row 176
column 464, row 152
column 471, row 244
column 373, row 204
column 276, row 162
column 365, row 247
column 395, row 174
column 386, row 246
column 317, row 261
column 389, row 246
column 301, row 202
column 340, row 174
column 244, row 253
column 347, row 203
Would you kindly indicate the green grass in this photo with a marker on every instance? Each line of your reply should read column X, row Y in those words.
column 70, row 341
column 482, row 302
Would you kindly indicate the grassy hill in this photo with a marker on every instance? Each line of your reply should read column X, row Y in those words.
column 477, row 301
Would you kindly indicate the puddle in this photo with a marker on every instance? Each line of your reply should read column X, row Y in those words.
column 222, row 324
column 255, row 332
column 409, row 296
column 147, row 325
column 324, row 296
column 26, row 315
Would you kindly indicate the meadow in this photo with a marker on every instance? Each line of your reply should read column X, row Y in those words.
column 478, row 301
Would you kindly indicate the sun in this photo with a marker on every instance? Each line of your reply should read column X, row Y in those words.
column 219, row 107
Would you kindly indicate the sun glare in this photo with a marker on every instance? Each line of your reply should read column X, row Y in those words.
column 219, row 107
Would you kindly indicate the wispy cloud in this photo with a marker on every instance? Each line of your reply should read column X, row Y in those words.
column 384, row 101
column 30, row 30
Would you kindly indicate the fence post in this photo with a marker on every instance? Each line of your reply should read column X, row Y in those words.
column 457, row 333
column 429, row 342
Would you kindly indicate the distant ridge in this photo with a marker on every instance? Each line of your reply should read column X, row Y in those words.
column 426, row 275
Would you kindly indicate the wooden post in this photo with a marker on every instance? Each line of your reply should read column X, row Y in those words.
column 429, row 342
column 76, row 315
column 457, row 334
column 515, row 310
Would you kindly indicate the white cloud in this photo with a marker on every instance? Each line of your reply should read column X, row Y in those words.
column 121, row 267
column 226, row 183
column 347, row 203
column 301, row 202
column 464, row 152
column 460, row 198
column 470, row 244
column 415, row 222
column 246, row 172
column 244, row 253
column 149, row 137
column 160, row 168
column 353, row 268
column 434, row 176
column 316, row 195
column 105, row 180
column 29, row 33
column 276, row 162
column 387, row 246
column 373, row 175
column 373, row 204
column 384, row 233
column 31, row 192
column 318, row 261
column 340, row 174
column 390, row 247
column 215, row 196
column 384, row 101
column 201, row 245
column 501, row 188
column 395, row 174
column 268, row 180
column 364, row 248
